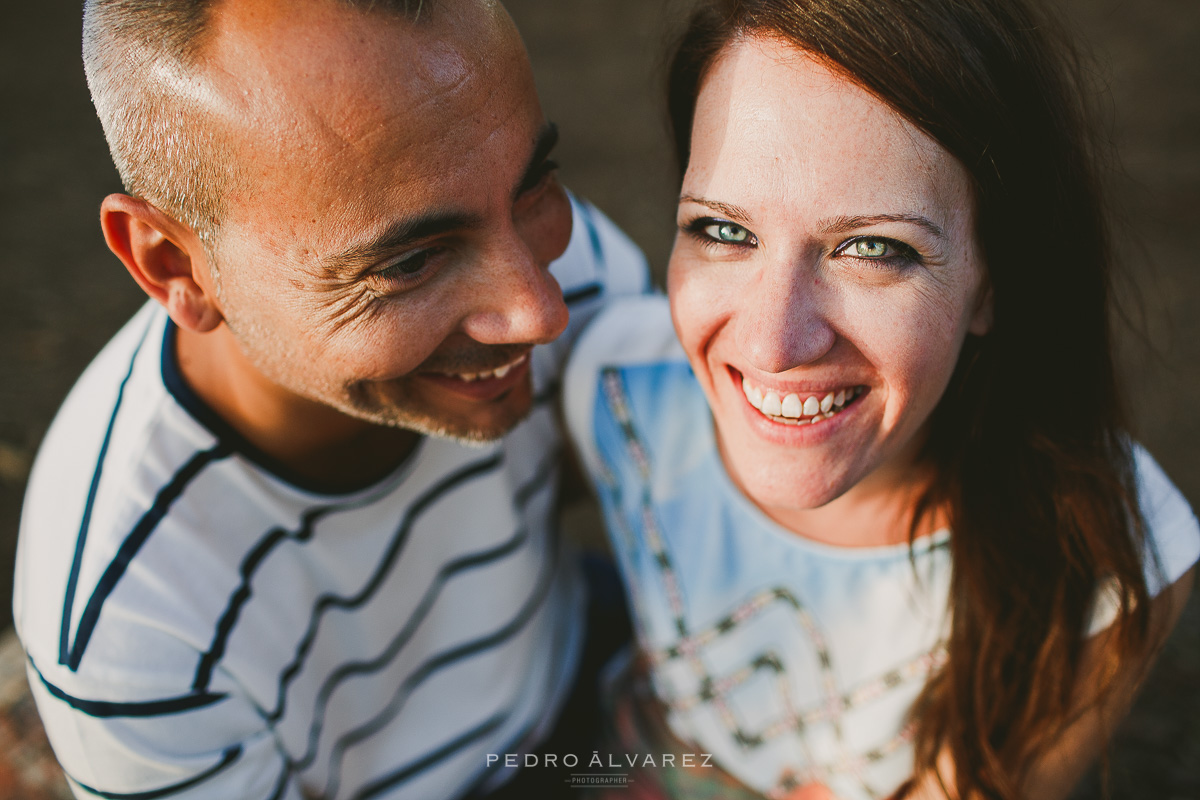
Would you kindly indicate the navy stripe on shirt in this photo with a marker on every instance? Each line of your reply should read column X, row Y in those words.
column 138, row 708
column 439, row 662
column 133, row 542
column 258, row 554
column 73, row 580
column 422, row 609
column 432, row 759
column 581, row 293
column 281, row 784
column 387, row 560
column 231, row 755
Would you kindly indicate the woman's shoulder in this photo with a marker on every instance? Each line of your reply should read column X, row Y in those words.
column 1172, row 543
column 629, row 330
column 629, row 365
column 1171, row 525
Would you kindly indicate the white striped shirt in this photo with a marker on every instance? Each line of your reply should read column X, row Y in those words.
column 198, row 626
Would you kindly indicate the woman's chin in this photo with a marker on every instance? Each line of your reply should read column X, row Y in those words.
column 789, row 475
column 778, row 487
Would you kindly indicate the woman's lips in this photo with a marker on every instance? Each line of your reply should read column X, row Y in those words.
column 808, row 406
column 800, row 408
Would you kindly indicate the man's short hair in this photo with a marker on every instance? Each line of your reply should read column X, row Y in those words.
column 169, row 149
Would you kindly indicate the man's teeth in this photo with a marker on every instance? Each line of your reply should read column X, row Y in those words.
column 812, row 409
column 498, row 372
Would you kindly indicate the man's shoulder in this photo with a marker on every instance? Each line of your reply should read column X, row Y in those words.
column 599, row 260
column 101, row 435
column 105, row 467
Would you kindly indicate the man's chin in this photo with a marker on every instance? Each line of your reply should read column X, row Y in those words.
column 444, row 416
column 477, row 430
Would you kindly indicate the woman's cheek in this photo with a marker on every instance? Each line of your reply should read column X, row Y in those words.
column 690, row 312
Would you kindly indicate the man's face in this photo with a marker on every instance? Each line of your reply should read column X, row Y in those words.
column 389, row 256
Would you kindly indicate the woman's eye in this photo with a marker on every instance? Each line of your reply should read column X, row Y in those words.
column 728, row 232
column 880, row 249
column 871, row 248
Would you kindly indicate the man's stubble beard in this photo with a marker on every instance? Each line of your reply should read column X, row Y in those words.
column 271, row 356
column 397, row 415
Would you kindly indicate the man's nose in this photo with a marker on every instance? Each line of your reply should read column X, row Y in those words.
column 783, row 318
column 517, row 300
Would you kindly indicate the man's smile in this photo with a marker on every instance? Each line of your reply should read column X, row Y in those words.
column 482, row 385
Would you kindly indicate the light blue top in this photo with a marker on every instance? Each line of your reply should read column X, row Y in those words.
column 787, row 659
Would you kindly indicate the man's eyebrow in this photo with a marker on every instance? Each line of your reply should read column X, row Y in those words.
column 400, row 234
column 546, row 141
column 849, row 224
column 735, row 213
column 406, row 232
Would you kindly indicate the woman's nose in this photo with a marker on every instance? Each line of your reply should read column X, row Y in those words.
column 783, row 320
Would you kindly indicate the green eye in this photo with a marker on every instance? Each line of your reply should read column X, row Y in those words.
column 871, row 248
column 727, row 232
column 878, row 252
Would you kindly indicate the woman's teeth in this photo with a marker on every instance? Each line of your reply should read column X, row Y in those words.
column 793, row 410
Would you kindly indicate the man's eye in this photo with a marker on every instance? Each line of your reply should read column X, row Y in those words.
column 405, row 273
column 408, row 266
column 540, row 177
column 871, row 248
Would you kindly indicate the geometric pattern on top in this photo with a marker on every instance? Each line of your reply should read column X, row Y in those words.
column 716, row 691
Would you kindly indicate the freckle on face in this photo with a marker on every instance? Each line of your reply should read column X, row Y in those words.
column 343, row 157
column 797, row 148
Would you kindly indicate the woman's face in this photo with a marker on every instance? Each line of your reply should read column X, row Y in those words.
column 824, row 277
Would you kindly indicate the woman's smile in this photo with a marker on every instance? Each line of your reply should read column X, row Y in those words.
column 824, row 278
column 799, row 407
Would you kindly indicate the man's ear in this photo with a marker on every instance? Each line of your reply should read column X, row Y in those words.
column 165, row 257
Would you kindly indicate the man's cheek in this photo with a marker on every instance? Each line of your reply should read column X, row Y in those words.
column 383, row 356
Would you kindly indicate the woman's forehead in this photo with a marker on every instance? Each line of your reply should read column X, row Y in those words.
column 773, row 121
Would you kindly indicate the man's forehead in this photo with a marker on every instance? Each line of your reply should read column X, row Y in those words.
column 343, row 123
column 288, row 65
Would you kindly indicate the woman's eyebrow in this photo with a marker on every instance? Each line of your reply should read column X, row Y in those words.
column 849, row 224
column 735, row 213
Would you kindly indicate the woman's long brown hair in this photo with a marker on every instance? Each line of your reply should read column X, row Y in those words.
column 1034, row 466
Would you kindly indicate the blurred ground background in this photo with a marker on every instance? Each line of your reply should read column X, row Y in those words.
column 62, row 295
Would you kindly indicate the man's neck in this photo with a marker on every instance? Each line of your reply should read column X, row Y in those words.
column 314, row 441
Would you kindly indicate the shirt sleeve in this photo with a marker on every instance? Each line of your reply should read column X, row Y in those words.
column 600, row 263
column 203, row 746
column 1172, row 538
column 634, row 330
